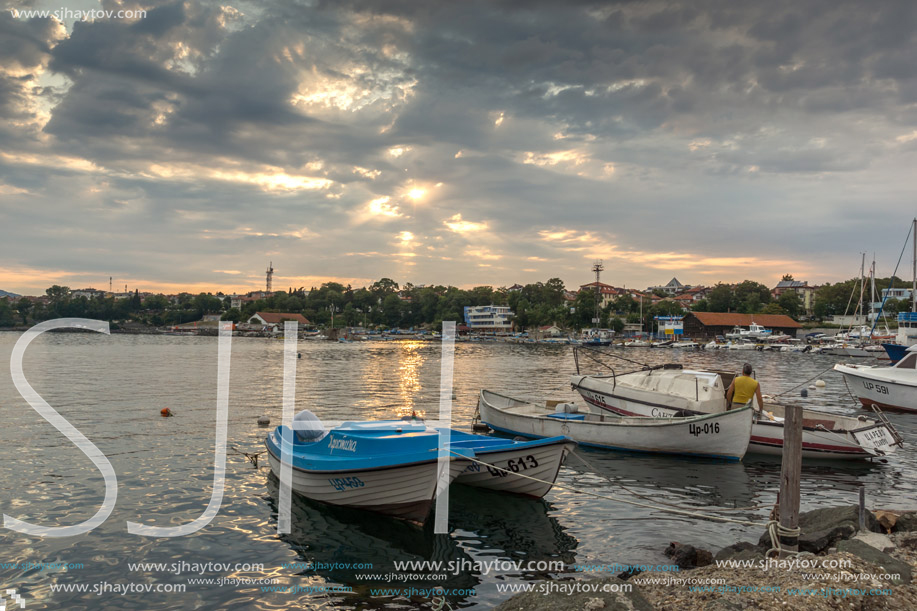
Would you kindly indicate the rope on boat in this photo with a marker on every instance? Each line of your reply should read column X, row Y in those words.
column 606, row 497
column 611, row 354
column 251, row 456
column 855, row 400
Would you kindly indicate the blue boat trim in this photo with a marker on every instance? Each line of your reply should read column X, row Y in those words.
column 484, row 444
column 275, row 452
column 362, row 446
column 617, row 449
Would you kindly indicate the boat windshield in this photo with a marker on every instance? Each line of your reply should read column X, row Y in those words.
column 908, row 362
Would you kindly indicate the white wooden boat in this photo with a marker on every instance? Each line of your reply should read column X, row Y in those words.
column 723, row 435
column 504, row 458
column 671, row 391
column 892, row 387
column 389, row 467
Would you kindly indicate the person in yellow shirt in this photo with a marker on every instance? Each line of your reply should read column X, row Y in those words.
column 743, row 388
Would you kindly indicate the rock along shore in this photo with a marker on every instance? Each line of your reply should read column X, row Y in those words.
column 839, row 567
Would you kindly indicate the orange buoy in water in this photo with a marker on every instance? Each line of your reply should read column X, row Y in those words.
column 166, row 412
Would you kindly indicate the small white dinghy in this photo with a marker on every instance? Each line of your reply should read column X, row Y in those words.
column 528, row 468
column 722, row 435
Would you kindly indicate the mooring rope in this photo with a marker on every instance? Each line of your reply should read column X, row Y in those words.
column 251, row 456
column 776, row 531
column 611, row 354
column 806, row 382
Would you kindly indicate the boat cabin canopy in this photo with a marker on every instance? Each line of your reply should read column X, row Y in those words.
column 908, row 362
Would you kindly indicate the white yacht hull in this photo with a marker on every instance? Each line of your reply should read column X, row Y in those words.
column 871, row 389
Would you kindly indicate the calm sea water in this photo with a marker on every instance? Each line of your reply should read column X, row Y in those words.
column 112, row 388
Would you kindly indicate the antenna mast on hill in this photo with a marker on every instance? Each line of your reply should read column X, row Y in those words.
column 270, row 276
column 598, row 268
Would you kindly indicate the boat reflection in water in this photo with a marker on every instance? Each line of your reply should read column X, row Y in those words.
column 495, row 525
column 330, row 541
column 819, row 476
column 669, row 478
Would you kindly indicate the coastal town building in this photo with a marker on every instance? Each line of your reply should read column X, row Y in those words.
column 608, row 293
column 684, row 300
column 275, row 320
column 89, row 293
column 882, row 303
column 674, row 287
column 707, row 325
column 805, row 292
column 488, row 318
column 697, row 293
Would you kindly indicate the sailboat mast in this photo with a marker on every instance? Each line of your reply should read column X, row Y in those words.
column 872, row 290
column 914, row 287
column 862, row 284
column 872, row 295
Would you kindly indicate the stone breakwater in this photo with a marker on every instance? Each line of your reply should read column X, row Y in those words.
column 839, row 567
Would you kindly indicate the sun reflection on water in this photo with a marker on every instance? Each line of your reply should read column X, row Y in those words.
column 411, row 359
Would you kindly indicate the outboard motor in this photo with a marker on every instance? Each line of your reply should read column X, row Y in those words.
column 308, row 427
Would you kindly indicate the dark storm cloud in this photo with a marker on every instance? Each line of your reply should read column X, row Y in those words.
column 203, row 124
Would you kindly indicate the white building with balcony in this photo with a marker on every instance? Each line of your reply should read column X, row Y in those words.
column 488, row 318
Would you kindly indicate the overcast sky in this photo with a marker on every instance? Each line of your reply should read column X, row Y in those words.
column 459, row 143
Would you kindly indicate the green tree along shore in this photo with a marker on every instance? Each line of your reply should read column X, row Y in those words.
column 386, row 304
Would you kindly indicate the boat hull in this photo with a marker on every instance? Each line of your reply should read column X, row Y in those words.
column 818, row 440
column 886, row 394
column 402, row 491
column 542, row 462
column 895, row 352
column 722, row 436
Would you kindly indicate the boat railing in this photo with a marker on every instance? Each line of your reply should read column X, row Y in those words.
column 891, row 429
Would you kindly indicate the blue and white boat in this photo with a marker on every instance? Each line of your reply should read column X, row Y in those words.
column 504, row 458
column 905, row 338
column 388, row 466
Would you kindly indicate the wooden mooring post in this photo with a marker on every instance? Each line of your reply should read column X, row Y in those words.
column 790, row 472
